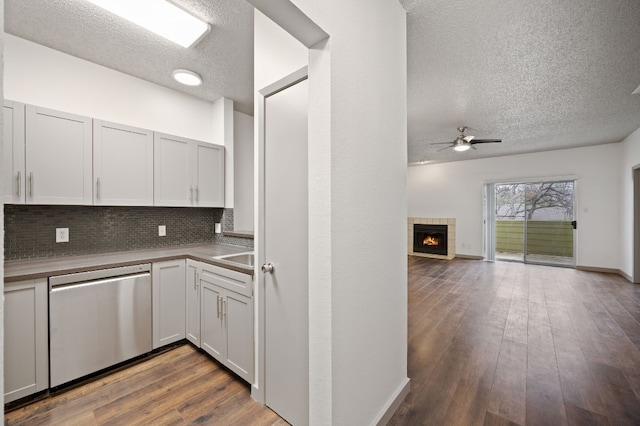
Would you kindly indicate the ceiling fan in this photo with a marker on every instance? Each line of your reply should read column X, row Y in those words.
column 463, row 143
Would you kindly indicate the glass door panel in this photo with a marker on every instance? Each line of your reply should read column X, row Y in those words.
column 510, row 224
column 534, row 222
column 549, row 223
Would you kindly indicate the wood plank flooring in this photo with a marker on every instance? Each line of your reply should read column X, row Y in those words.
column 180, row 386
column 489, row 344
column 511, row 344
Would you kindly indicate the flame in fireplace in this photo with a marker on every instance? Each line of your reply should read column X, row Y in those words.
column 430, row 240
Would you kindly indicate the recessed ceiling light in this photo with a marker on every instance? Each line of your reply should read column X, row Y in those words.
column 637, row 91
column 188, row 78
column 161, row 17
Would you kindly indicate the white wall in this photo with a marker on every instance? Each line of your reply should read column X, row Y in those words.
column 222, row 119
column 45, row 77
column 357, row 187
column 243, row 176
column 630, row 158
column 455, row 190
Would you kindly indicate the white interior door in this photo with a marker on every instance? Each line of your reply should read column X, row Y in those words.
column 286, row 248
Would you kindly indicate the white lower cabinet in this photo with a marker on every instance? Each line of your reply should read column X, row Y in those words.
column 192, row 294
column 26, row 348
column 168, row 302
column 226, row 317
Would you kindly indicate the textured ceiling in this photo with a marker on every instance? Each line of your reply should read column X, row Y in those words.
column 224, row 58
column 539, row 75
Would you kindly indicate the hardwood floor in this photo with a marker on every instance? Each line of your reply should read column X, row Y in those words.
column 512, row 344
column 489, row 344
column 181, row 386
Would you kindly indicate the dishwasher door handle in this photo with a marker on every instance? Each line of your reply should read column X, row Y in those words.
column 54, row 288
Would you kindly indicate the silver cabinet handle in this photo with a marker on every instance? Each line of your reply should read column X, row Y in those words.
column 218, row 307
column 197, row 193
column 267, row 268
column 98, row 188
column 195, row 282
column 31, row 184
column 19, row 181
column 224, row 307
column 191, row 194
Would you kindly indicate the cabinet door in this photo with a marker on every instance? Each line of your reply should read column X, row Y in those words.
column 13, row 167
column 237, row 313
column 209, row 175
column 212, row 334
column 26, row 351
column 122, row 165
column 172, row 171
column 168, row 302
column 193, row 302
column 58, row 157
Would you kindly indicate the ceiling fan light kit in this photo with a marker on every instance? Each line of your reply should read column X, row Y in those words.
column 463, row 143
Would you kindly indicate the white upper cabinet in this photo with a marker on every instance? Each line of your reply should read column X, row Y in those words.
column 122, row 165
column 58, row 157
column 13, row 167
column 209, row 175
column 188, row 172
column 172, row 174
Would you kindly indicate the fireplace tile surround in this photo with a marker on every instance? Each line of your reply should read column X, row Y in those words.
column 451, row 235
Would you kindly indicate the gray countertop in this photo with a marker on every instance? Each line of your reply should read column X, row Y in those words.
column 19, row 270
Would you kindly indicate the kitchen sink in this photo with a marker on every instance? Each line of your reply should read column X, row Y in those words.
column 245, row 259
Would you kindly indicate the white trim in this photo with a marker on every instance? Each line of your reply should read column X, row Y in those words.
column 393, row 403
column 541, row 179
column 285, row 82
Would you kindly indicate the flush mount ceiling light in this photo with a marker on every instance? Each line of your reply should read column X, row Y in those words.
column 188, row 78
column 161, row 17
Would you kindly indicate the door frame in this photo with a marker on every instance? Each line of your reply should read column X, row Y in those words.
column 258, row 388
column 489, row 213
column 635, row 170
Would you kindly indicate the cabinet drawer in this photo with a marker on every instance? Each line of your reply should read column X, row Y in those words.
column 231, row 280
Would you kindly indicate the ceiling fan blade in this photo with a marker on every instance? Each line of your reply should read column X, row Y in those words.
column 468, row 138
column 485, row 141
column 440, row 143
column 442, row 149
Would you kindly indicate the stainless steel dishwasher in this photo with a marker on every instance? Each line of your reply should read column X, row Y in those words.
column 98, row 319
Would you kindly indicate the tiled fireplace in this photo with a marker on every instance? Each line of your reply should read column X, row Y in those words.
column 432, row 237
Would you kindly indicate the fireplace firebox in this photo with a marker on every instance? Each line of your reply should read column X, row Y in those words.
column 431, row 239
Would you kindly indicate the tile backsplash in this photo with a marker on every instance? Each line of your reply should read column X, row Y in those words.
column 30, row 230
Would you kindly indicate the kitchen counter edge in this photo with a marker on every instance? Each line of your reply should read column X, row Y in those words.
column 22, row 270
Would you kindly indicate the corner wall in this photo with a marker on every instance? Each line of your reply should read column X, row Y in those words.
column 455, row 190
column 357, row 193
column 358, row 103
column 630, row 158
column 243, row 176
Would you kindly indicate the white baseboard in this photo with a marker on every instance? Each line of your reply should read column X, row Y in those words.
column 392, row 405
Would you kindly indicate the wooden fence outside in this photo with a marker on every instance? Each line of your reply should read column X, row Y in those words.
column 545, row 237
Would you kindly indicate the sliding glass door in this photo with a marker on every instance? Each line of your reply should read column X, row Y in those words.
column 534, row 222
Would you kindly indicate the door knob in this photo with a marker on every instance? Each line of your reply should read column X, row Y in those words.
column 267, row 267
